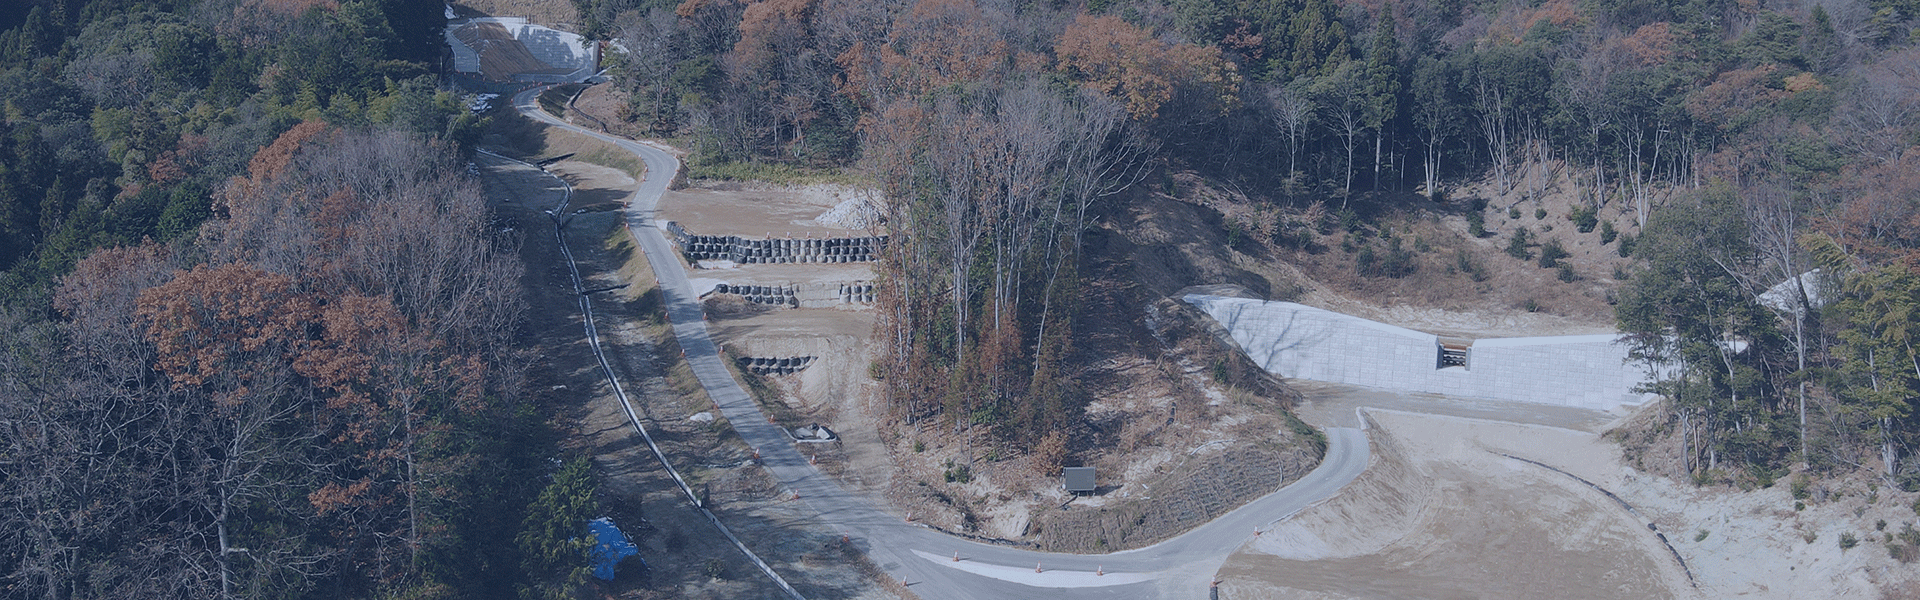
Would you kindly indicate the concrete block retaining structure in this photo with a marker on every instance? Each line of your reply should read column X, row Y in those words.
column 1298, row 341
column 775, row 365
column 745, row 250
column 802, row 295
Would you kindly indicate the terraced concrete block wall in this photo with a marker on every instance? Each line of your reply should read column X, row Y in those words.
column 858, row 292
column 779, row 295
column 776, row 250
column 803, row 295
column 1297, row 341
column 782, row 365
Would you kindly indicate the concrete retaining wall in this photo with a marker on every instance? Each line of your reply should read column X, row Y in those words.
column 776, row 250
column 802, row 295
column 783, row 365
column 1297, row 341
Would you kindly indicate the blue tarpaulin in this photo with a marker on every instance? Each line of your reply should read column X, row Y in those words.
column 609, row 547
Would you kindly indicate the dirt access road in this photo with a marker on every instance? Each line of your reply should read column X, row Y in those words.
column 687, row 556
column 1178, row 568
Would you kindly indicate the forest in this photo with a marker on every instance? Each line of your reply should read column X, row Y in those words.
column 256, row 320
column 257, row 327
column 1744, row 143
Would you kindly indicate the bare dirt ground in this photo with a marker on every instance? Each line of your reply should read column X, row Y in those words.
column 1441, row 514
column 558, row 15
column 757, row 211
column 688, row 557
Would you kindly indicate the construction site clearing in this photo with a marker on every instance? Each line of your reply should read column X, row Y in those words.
column 1459, row 505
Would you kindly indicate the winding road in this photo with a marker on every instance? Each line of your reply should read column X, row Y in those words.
column 1181, row 567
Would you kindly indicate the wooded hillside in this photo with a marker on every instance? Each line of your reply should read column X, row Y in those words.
column 1748, row 142
column 256, row 320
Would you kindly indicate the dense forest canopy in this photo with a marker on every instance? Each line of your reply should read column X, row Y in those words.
column 255, row 325
column 255, row 319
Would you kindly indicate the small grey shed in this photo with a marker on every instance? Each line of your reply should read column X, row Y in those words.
column 1079, row 479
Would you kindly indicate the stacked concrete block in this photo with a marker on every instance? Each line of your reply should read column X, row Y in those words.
column 775, row 365
column 858, row 292
column 803, row 295
column 776, row 250
column 778, row 295
column 1297, row 341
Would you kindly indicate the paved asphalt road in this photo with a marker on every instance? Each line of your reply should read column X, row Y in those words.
column 1181, row 567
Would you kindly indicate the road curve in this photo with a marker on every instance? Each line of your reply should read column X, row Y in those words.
column 1181, row 567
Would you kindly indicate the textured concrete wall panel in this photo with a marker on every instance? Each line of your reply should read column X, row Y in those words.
column 1298, row 341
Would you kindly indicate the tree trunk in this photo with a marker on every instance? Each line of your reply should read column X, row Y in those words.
column 1377, row 134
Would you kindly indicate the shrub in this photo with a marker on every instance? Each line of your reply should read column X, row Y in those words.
column 1908, row 552
column 1290, row 234
column 1701, row 536
column 1519, row 246
column 1799, row 487
column 1551, row 253
column 1513, row 212
column 1607, row 232
column 1584, row 219
column 1477, row 224
column 1848, row 541
column 1236, row 236
column 957, row 473
column 1626, row 245
column 1566, row 273
column 1539, row 214
column 1395, row 263
column 1464, row 262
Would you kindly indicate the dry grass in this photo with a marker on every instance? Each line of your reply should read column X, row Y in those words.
column 558, row 15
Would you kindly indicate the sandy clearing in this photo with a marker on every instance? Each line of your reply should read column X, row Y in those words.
column 778, row 274
column 755, row 211
column 1440, row 514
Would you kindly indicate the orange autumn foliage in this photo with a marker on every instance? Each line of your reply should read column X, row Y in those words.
column 1128, row 62
column 1734, row 94
column 935, row 44
column 274, row 158
column 223, row 323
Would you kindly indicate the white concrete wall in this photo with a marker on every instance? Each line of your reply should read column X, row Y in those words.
column 1298, row 341
column 557, row 48
column 465, row 60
